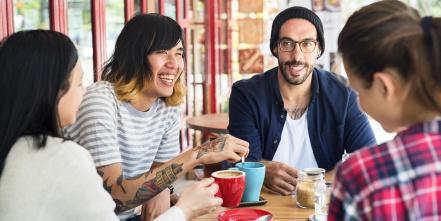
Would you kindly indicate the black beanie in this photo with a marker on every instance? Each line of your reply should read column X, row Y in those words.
column 296, row 12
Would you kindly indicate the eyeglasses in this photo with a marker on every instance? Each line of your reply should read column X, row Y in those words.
column 305, row 46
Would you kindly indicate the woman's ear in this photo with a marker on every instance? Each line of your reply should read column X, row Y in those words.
column 387, row 85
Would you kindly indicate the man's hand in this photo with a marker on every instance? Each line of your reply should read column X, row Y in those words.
column 280, row 177
column 156, row 206
column 330, row 175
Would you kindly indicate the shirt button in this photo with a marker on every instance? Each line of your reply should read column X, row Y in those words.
column 275, row 141
column 277, row 102
column 282, row 116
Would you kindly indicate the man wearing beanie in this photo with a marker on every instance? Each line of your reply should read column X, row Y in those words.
column 295, row 116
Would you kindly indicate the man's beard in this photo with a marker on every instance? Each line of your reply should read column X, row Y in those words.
column 295, row 80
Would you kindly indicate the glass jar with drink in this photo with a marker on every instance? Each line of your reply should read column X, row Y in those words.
column 305, row 187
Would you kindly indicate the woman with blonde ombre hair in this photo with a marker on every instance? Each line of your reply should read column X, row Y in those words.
column 131, row 73
column 130, row 122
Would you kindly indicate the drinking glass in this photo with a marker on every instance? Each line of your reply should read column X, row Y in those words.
column 322, row 192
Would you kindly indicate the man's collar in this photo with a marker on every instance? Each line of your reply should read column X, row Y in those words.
column 314, row 85
column 275, row 85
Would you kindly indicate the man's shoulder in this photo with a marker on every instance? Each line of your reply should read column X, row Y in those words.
column 331, row 82
column 258, row 81
column 331, row 77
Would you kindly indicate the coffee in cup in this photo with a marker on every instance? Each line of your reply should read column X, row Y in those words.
column 229, row 173
column 231, row 186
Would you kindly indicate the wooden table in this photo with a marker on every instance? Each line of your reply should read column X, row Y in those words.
column 211, row 123
column 282, row 207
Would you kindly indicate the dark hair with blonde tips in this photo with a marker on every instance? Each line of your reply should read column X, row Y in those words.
column 389, row 35
column 35, row 72
column 128, row 68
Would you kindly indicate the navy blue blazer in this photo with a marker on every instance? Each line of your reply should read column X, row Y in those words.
column 335, row 121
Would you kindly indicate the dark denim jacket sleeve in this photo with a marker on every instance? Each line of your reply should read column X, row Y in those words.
column 337, row 126
column 243, row 123
column 255, row 116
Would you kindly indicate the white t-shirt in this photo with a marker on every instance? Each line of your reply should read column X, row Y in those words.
column 57, row 182
column 295, row 147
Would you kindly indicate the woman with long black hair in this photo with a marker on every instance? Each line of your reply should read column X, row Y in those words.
column 43, row 176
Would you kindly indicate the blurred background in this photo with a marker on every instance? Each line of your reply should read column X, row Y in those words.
column 227, row 40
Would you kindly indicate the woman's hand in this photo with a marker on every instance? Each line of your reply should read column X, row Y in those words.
column 198, row 199
column 226, row 148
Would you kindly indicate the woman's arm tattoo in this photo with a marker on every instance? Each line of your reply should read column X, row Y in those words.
column 213, row 146
column 135, row 177
column 119, row 182
column 107, row 187
column 152, row 187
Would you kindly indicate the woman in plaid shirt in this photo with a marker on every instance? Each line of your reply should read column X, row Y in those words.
column 392, row 57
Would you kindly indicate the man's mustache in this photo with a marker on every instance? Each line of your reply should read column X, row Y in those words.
column 296, row 63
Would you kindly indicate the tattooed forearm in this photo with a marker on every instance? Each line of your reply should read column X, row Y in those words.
column 135, row 177
column 213, row 146
column 150, row 188
column 120, row 207
column 154, row 186
column 119, row 182
column 149, row 172
column 106, row 187
column 296, row 113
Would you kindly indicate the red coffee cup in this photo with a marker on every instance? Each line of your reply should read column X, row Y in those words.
column 231, row 186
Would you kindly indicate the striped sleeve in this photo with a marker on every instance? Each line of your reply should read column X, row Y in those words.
column 169, row 146
column 96, row 127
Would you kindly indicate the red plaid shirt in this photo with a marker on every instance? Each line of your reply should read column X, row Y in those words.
column 397, row 180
